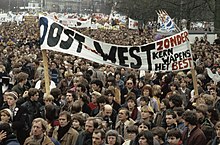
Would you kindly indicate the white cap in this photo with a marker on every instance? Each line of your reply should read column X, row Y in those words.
column 9, row 112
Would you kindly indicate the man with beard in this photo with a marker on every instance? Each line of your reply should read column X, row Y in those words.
column 70, row 98
column 65, row 134
column 85, row 138
column 201, row 112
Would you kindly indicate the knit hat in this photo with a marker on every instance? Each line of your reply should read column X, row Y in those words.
column 13, row 94
column 9, row 112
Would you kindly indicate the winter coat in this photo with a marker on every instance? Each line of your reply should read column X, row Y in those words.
column 195, row 137
column 46, row 141
column 69, row 138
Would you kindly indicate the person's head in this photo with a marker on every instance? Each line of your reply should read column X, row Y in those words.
column 94, row 97
column 91, row 124
column 33, row 94
column 123, row 114
column 144, row 101
column 143, row 125
column 70, row 96
column 50, row 112
column 145, row 138
column 107, row 110
column 80, row 89
column 156, row 90
column 201, row 111
column 174, row 136
column 179, row 112
column 55, row 92
column 146, row 112
column 175, row 101
column 131, row 100
column 132, row 131
column 213, row 92
column 77, row 121
column 22, row 77
column 170, row 117
column 12, row 98
column 68, row 75
column 182, row 83
column 64, row 118
column 110, row 81
column 147, row 91
column 48, row 99
column 129, row 84
column 173, row 86
column 96, row 85
column 101, row 101
column 76, row 107
column 164, row 104
column 39, row 127
column 189, row 118
column 109, row 95
column 98, row 137
column 6, row 115
column 112, row 137
column 159, row 134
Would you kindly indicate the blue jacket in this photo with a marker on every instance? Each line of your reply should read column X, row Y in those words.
column 12, row 141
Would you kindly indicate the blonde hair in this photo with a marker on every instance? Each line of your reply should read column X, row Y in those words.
column 48, row 97
column 43, row 122
column 156, row 89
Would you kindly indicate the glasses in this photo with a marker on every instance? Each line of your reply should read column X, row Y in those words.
column 129, row 83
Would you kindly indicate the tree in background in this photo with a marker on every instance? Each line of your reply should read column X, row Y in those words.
column 191, row 10
column 217, row 17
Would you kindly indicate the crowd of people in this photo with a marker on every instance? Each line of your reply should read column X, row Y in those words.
column 96, row 104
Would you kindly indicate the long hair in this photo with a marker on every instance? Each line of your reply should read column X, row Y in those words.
column 148, row 135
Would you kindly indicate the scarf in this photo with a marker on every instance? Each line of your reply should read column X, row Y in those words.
column 63, row 130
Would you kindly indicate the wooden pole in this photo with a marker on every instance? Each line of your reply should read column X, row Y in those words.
column 193, row 72
column 195, row 86
column 46, row 72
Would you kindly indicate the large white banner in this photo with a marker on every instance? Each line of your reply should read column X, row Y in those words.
column 169, row 54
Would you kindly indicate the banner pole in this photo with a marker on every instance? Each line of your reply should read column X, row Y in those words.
column 193, row 72
column 46, row 72
column 195, row 86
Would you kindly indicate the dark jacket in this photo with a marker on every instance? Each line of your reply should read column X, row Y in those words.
column 11, row 140
column 115, row 106
column 215, row 141
column 33, row 109
column 19, row 125
column 84, row 138
column 124, row 91
column 195, row 137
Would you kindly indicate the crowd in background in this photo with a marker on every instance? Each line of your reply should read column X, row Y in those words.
column 96, row 104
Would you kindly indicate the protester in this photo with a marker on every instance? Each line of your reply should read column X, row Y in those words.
column 9, row 138
column 39, row 127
